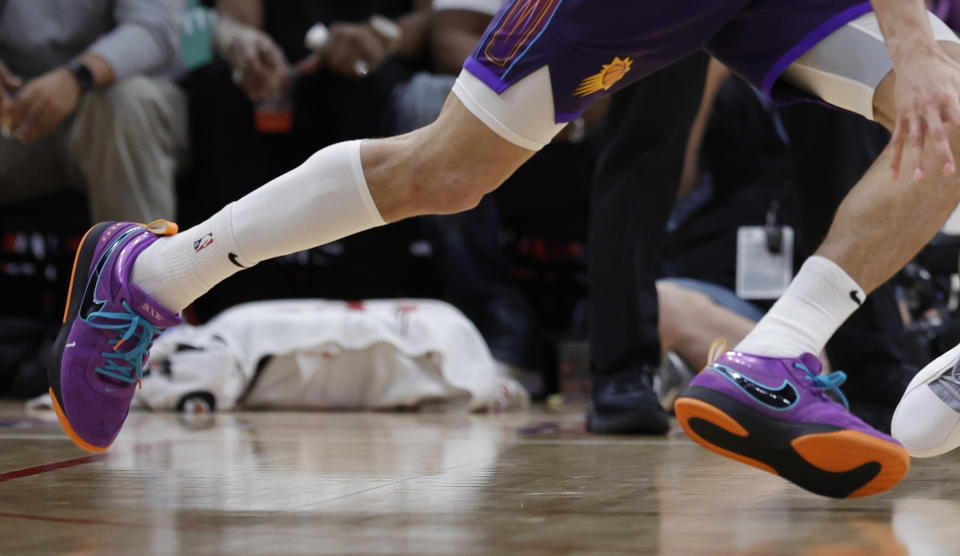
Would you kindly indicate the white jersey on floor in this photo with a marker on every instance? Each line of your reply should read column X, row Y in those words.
column 327, row 354
column 490, row 7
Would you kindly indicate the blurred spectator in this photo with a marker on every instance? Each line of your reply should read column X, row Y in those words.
column 455, row 29
column 634, row 188
column 259, row 45
column 84, row 104
column 329, row 100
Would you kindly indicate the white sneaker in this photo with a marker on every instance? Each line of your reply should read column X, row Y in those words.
column 927, row 419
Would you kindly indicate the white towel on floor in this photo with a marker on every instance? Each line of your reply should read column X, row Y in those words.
column 329, row 355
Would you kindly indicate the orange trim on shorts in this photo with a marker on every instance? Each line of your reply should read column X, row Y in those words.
column 535, row 27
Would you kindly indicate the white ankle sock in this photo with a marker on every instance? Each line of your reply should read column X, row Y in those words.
column 176, row 270
column 817, row 302
column 324, row 199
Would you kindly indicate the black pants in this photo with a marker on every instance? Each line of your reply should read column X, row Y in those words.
column 634, row 190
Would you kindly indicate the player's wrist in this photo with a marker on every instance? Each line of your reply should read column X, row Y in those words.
column 908, row 54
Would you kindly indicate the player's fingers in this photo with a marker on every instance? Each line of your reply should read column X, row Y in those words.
column 898, row 142
column 941, row 140
column 916, row 141
column 951, row 115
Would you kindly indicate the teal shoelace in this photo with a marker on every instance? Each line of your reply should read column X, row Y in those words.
column 831, row 382
column 126, row 366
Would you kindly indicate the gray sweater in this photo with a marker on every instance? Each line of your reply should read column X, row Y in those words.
column 134, row 36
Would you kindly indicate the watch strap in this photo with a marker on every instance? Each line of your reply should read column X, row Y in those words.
column 81, row 72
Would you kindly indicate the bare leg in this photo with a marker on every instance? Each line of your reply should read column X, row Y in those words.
column 883, row 223
column 443, row 168
column 690, row 322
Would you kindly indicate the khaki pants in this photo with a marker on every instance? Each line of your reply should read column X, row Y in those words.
column 123, row 148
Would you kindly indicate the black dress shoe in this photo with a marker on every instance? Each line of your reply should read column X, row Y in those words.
column 625, row 403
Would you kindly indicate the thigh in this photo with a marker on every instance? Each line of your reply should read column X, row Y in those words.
column 541, row 63
column 442, row 168
column 830, row 51
column 884, row 101
column 848, row 68
column 770, row 35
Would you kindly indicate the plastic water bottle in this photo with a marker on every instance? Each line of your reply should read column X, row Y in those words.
column 275, row 113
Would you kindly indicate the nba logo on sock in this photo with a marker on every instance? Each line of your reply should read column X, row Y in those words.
column 203, row 243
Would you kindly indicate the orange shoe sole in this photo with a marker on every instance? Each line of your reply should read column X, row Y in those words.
column 78, row 279
column 825, row 460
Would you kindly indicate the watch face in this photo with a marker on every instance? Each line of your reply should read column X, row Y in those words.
column 82, row 74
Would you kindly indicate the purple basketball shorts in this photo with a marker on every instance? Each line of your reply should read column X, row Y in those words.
column 596, row 47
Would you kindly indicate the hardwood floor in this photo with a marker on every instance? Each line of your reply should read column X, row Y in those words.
column 360, row 483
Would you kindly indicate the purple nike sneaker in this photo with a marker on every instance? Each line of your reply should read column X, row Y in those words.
column 775, row 414
column 108, row 326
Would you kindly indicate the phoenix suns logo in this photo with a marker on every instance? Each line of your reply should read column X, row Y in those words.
column 607, row 78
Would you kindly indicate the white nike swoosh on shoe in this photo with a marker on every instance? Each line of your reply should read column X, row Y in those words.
column 71, row 344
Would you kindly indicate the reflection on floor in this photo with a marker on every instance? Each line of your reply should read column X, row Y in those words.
column 308, row 483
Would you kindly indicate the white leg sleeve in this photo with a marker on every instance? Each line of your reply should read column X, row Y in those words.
column 324, row 199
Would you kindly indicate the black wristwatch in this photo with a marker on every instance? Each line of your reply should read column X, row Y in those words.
column 82, row 74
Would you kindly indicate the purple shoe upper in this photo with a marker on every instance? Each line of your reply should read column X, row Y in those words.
column 109, row 337
column 791, row 389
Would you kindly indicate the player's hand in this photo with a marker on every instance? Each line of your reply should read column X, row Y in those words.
column 42, row 104
column 8, row 84
column 353, row 50
column 928, row 106
column 257, row 61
